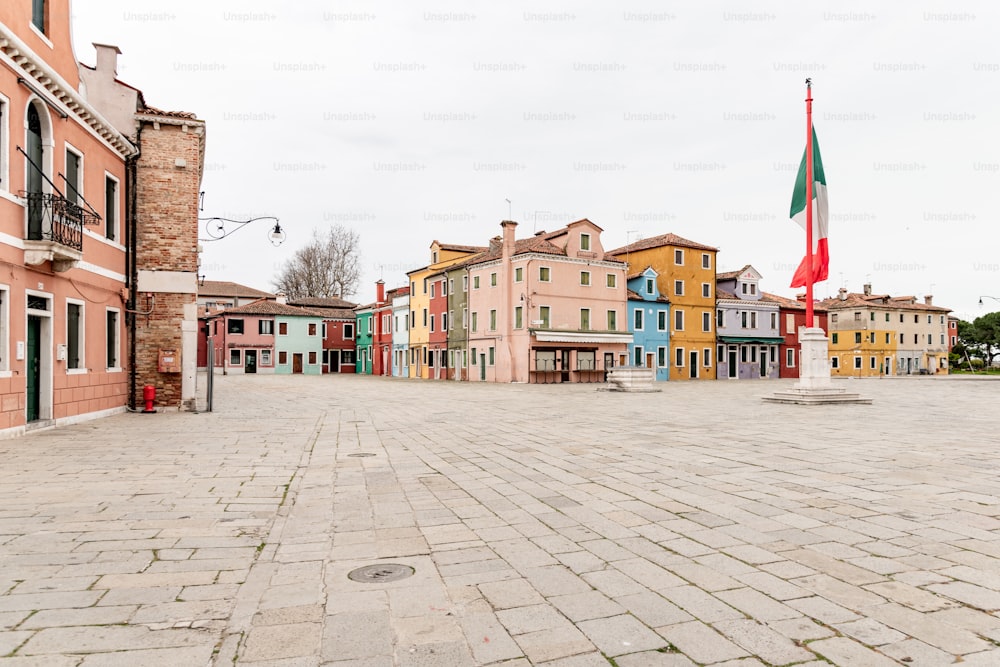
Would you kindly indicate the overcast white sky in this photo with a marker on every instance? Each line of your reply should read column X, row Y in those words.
column 415, row 121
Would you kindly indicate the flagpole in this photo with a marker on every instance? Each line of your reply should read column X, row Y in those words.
column 809, row 206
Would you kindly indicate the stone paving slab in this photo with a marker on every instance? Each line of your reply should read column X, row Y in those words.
column 545, row 524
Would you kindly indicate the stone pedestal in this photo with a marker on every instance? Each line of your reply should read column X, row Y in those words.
column 814, row 386
column 631, row 378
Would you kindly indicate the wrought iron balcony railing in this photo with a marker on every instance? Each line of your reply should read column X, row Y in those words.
column 56, row 219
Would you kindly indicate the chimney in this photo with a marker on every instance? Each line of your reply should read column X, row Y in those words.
column 281, row 297
column 107, row 59
column 380, row 291
column 842, row 293
column 929, row 300
column 868, row 289
column 508, row 238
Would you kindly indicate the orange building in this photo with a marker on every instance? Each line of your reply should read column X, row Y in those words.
column 687, row 277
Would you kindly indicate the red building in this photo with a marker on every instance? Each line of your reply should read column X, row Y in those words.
column 339, row 331
column 437, row 336
column 382, row 330
column 792, row 316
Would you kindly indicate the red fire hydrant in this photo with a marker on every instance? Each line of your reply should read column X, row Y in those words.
column 149, row 395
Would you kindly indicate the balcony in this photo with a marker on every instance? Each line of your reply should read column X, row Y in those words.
column 55, row 230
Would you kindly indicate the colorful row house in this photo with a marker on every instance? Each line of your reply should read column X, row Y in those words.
column 791, row 318
column 649, row 322
column 747, row 326
column 878, row 334
column 266, row 337
column 338, row 331
column 401, row 332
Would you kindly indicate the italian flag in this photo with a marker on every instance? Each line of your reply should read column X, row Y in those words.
column 820, row 219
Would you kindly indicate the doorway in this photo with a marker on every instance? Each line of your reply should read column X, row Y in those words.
column 250, row 361
column 694, row 364
column 482, row 368
column 732, row 368
column 297, row 362
column 34, row 363
column 763, row 361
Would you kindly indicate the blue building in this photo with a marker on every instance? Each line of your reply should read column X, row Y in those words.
column 746, row 327
column 649, row 322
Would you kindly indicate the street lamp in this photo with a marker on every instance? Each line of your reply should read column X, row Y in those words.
column 219, row 228
column 986, row 296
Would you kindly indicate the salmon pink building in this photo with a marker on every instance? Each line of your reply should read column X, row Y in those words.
column 549, row 308
column 437, row 335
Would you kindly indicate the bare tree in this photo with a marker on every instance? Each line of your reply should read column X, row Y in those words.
column 329, row 265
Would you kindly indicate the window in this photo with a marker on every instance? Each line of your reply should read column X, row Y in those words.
column 753, row 319
column 679, row 257
column 706, row 321
column 857, row 363
column 265, row 327
column 518, row 317
column 789, row 323
column 743, row 353
column 753, row 288
column 543, row 315
column 930, row 339
column 650, row 286
column 312, row 328
column 661, row 357
column 585, row 278
column 465, row 318
column 74, row 335
column 661, row 320
column 475, row 282
column 901, row 318
column 444, row 321
column 834, row 363
column 39, row 12
column 637, row 354
column 234, row 326
column 612, row 320
column 678, row 320
column 111, row 337
column 790, row 358
column 871, row 337
column 942, row 319
column 282, row 329
column 774, row 320
column 424, row 312
column 857, row 317
column 585, row 319
column 544, row 274
column 833, row 338
column 493, row 355
column 110, row 207
column 929, row 321
column 432, row 289
column 234, row 358
column 465, row 283
column 518, row 274
column 833, row 318
column 720, row 318
column 706, row 260
column 475, row 321
column 679, row 357
column 348, row 331
column 474, row 357
column 887, row 317
column 451, row 284
column 954, row 339
column 584, row 241
column 900, row 339
column 586, row 360
column 493, row 320
column 265, row 357
column 706, row 290
column 857, row 337
column 545, row 360
column 942, row 339
column 707, row 355
column 413, row 318
column 4, row 185
column 679, row 287
column 74, row 174
column 612, row 280
column 744, row 286
column 425, row 285
column 282, row 358
column 872, row 364
column 312, row 358
column 637, row 319
column 493, row 280
column 916, row 339
column 432, row 323
column 743, row 319
column 916, row 319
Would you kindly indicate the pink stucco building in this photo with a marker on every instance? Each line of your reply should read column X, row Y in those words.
column 549, row 308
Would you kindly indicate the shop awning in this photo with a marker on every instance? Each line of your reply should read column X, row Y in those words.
column 763, row 340
column 548, row 336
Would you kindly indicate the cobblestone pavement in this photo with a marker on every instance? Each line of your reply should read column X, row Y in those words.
column 554, row 525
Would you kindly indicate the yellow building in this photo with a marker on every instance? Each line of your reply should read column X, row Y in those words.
column 442, row 255
column 878, row 334
column 687, row 277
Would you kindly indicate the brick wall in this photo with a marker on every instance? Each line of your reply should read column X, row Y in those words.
column 168, row 181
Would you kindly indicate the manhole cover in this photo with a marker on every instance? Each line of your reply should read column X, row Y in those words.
column 361, row 455
column 380, row 574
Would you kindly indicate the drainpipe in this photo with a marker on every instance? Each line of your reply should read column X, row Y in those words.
column 131, row 265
